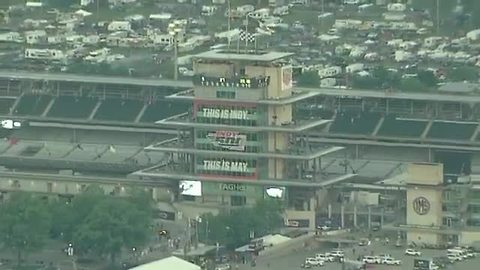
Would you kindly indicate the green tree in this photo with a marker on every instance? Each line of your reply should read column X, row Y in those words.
column 428, row 78
column 365, row 82
column 412, row 85
column 24, row 223
column 458, row 74
column 233, row 229
column 308, row 79
column 114, row 224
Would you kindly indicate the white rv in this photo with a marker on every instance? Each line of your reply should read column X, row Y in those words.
column 98, row 56
column 330, row 72
column 44, row 54
column 260, row 14
column 281, row 11
column 119, row 26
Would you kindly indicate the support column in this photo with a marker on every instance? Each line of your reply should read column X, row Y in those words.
column 355, row 225
column 382, row 217
column 329, row 211
column 342, row 215
column 369, row 217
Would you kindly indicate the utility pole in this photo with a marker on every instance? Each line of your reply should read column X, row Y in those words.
column 438, row 16
column 228, row 21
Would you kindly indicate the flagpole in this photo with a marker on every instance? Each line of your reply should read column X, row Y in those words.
column 246, row 31
column 228, row 22
column 238, row 42
column 255, row 43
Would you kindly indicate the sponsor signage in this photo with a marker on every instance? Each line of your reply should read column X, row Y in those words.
column 233, row 187
column 287, row 81
column 233, row 114
column 190, row 188
column 225, row 166
column 166, row 215
column 229, row 140
column 298, row 223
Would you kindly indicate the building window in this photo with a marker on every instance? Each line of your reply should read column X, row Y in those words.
column 226, row 94
column 238, row 200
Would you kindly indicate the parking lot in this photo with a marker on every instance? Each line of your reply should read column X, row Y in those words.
column 294, row 259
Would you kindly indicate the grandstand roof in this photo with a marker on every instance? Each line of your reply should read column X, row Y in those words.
column 393, row 95
column 232, row 55
column 92, row 79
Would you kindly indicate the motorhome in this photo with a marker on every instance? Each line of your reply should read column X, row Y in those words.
column 330, row 72
column 119, row 26
column 44, row 54
column 281, row 11
column 260, row 14
column 98, row 56
column 11, row 37
column 208, row 10
column 36, row 37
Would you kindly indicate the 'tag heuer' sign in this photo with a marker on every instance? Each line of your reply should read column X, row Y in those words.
column 229, row 140
column 225, row 113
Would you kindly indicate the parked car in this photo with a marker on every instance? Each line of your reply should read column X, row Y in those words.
column 314, row 262
column 391, row 261
column 325, row 257
column 364, row 242
column 338, row 253
column 371, row 260
column 412, row 252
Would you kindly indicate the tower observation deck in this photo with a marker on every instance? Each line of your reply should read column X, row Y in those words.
column 240, row 141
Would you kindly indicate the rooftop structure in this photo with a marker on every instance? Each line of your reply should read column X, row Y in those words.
column 241, row 131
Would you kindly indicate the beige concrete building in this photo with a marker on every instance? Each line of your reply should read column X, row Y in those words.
column 240, row 141
column 440, row 213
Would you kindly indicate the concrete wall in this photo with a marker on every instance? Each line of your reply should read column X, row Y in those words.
column 425, row 173
column 214, row 70
column 424, row 237
column 468, row 238
column 434, row 214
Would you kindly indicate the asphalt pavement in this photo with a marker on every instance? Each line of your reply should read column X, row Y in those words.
column 293, row 260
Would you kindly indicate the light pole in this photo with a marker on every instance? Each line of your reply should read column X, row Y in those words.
column 174, row 30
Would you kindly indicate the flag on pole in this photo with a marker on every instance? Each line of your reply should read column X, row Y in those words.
column 246, row 36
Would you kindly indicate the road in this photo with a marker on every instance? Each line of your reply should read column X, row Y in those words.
column 295, row 259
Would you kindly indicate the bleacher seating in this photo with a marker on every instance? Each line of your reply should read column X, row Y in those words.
column 118, row 153
column 163, row 109
column 393, row 126
column 119, row 110
column 5, row 105
column 32, row 105
column 72, row 107
column 86, row 152
column 452, row 130
column 355, row 123
column 312, row 112
column 54, row 150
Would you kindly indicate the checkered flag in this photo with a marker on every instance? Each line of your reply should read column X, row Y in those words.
column 246, row 36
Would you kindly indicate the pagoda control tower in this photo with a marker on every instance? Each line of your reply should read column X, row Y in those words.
column 240, row 141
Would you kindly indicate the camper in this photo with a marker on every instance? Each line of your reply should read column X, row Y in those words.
column 44, row 54
column 432, row 42
column 98, row 56
column 330, row 72
column 396, row 7
column 11, row 37
column 328, row 82
column 119, row 26
column 260, row 14
column 393, row 16
column 208, row 10
column 36, row 37
column 276, row 3
column 245, row 9
column 281, row 11
column 353, row 68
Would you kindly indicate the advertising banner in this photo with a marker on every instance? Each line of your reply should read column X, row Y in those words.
column 287, row 79
column 229, row 140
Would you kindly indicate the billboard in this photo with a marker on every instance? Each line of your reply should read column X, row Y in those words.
column 229, row 140
column 190, row 188
column 297, row 223
column 275, row 192
column 287, row 78
column 226, row 165
column 230, row 113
